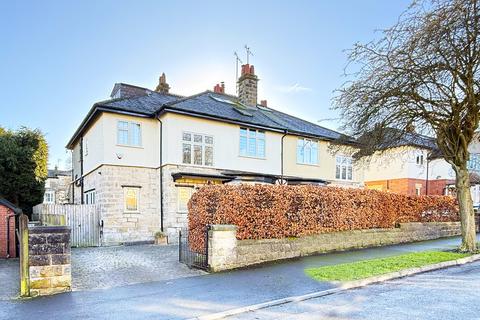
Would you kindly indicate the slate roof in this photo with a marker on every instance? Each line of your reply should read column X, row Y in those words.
column 54, row 173
column 227, row 107
column 396, row 138
column 212, row 105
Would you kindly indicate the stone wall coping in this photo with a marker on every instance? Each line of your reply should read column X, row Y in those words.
column 48, row 229
column 223, row 227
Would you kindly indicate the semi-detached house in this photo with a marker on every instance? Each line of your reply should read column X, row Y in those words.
column 141, row 154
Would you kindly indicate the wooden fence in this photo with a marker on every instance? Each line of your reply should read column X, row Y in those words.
column 84, row 220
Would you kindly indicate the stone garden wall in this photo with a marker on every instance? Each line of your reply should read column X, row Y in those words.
column 226, row 252
column 49, row 260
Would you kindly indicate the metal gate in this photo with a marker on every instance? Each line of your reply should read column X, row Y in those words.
column 84, row 221
column 189, row 256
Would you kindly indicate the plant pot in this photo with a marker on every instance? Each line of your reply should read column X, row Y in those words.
column 161, row 241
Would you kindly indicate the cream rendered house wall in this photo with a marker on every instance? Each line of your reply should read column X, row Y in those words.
column 395, row 163
column 325, row 169
column 226, row 139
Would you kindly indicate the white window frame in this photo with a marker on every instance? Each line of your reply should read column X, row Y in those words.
column 419, row 160
column 49, row 193
column 137, row 193
column 180, row 208
column 202, row 144
column 90, row 197
column 309, row 143
column 346, row 166
column 130, row 134
column 248, row 137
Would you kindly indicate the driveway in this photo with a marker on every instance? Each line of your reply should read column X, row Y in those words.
column 107, row 267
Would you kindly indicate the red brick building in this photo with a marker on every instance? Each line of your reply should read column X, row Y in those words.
column 8, row 239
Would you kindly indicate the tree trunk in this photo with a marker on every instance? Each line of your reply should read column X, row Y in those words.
column 467, row 218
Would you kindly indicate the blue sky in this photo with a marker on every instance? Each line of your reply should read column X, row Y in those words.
column 59, row 57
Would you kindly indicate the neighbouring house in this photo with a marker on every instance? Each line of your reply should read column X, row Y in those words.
column 58, row 186
column 413, row 165
column 142, row 153
column 8, row 222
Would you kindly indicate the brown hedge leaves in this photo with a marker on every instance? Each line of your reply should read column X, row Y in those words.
column 279, row 211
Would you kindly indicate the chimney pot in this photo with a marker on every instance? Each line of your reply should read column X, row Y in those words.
column 219, row 88
column 263, row 103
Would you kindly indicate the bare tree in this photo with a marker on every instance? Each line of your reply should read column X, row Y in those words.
column 423, row 72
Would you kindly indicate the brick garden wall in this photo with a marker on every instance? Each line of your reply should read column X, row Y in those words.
column 49, row 260
column 226, row 252
column 10, row 248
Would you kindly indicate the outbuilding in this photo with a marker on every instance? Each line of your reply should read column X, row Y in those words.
column 8, row 220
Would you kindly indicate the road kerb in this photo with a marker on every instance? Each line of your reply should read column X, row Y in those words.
column 342, row 287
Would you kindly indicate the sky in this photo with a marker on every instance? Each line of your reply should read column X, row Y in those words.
column 57, row 58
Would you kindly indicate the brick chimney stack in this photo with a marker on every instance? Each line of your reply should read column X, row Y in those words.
column 219, row 88
column 247, row 85
column 163, row 86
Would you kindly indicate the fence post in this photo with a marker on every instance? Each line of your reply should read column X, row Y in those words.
column 24, row 268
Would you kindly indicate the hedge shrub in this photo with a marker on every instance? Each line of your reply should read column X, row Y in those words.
column 279, row 211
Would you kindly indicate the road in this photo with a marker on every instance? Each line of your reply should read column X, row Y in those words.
column 199, row 295
column 452, row 293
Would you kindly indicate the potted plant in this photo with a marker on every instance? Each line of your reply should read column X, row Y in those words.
column 160, row 238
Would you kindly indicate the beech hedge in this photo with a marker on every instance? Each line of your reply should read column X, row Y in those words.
column 279, row 211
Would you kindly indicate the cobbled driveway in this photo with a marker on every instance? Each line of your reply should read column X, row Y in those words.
column 106, row 267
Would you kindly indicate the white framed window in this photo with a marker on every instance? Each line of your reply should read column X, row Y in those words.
column 49, row 196
column 90, row 197
column 307, row 151
column 418, row 189
column 129, row 133
column 419, row 159
column 183, row 196
column 197, row 149
column 343, row 168
column 252, row 143
column 131, row 197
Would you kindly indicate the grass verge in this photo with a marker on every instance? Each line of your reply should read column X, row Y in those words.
column 368, row 268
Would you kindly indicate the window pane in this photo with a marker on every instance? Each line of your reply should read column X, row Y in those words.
column 308, row 154
column 243, row 132
column 131, row 199
column 252, row 133
column 187, row 153
column 197, row 154
column 187, row 137
column 349, row 173
column 338, row 159
column 261, row 135
column 208, row 156
column 243, row 145
column 300, row 152
column 136, row 136
column 122, row 132
column 314, row 159
column 208, row 140
column 197, row 138
column 344, row 172
column 337, row 172
column 261, row 148
column 252, row 148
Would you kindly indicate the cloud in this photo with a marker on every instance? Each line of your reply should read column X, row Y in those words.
column 294, row 88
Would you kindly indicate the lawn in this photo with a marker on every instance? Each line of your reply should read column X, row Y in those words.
column 367, row 268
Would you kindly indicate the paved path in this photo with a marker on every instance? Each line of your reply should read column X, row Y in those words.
column 451, row 293
column 192, row 296
column 107, row 267
column 9, row 278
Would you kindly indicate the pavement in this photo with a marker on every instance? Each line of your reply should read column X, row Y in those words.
column 199, row 295
column 9, row 278
column 451, row 293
